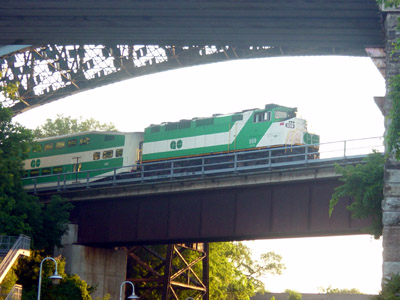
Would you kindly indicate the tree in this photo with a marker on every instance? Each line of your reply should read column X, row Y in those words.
column 331, row 290
column 234, row 274
column 363, row 183
column 66, row 125
column 70, row 288
column 390, row 288
column 21, row 213
column 293, row 295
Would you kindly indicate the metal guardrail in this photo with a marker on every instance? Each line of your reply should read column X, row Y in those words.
column 6, row 243
column 15, row 293
column 238, row 162
column 22, row 242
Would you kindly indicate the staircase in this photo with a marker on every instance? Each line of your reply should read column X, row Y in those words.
column 15, row 293
column 12, row 248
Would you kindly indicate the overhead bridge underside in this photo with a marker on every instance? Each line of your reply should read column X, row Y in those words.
column 115, row 40
column 264, row 211
column 292, row 202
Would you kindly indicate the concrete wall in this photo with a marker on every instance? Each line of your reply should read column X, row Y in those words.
column 283, row 296
column 105, row 269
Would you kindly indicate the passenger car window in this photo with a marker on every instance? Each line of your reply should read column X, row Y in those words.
column 48, row 146
column 72, row 143
column 34, row 173
column 84, row 141
column 60, row 145
column 57, row 170
column 46, row 171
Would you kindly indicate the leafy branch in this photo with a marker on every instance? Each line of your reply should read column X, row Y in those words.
column 363, row 184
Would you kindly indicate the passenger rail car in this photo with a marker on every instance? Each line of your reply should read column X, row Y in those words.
column 72, row 154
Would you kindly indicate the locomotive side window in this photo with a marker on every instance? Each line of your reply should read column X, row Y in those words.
column 108, row 154
column 60, row 145
column 262, row 117
column 96, row 156
column 281, row 115
column 57, row 170
column 84, row 141
column 72, row 143
column 46, row 171
column 48, row 146
column 119, row 152
column 26, row 174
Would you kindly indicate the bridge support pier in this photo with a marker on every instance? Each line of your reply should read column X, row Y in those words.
column 105, row 269
column 391, row 203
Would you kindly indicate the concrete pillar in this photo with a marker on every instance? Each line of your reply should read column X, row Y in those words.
column 391, row 203
column 105, row 269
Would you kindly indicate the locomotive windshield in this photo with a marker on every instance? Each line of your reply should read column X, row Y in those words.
column 284, row 115
column 281, row 114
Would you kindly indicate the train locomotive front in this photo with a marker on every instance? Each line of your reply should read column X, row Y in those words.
column 253, row 129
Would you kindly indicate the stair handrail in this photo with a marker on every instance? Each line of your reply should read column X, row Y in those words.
column 23, row 242
column 15, row 293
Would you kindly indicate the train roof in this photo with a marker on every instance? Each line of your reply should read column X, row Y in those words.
column 267, row 106
column 84, row 133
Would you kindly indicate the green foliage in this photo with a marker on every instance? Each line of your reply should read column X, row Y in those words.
column 52, row 224
column 233, row 273
column 363, row 184
column 10, row 90
column 293, row 295
column 393, row 133
column 70, row 287
column 66, row 125
column 21, row 213
column 389, row 3
column 8, row 282
column 390, row 289
column 331, row 290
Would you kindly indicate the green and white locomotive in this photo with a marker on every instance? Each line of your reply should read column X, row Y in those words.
column 273, row 126
column 70, row 158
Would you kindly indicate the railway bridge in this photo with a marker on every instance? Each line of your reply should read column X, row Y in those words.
column 263, row 200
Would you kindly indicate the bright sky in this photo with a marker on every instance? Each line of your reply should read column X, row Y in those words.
column 334, row 94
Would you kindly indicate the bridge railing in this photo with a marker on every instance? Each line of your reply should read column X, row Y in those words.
column 351, row 147
column 265, row 160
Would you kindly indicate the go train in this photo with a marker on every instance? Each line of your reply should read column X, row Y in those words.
column 246, row 131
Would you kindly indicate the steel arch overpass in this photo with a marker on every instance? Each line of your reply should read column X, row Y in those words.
column 56, row 49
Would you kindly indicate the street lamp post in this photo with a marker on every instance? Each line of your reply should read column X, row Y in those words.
column 55, row 277
column 133, row 296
